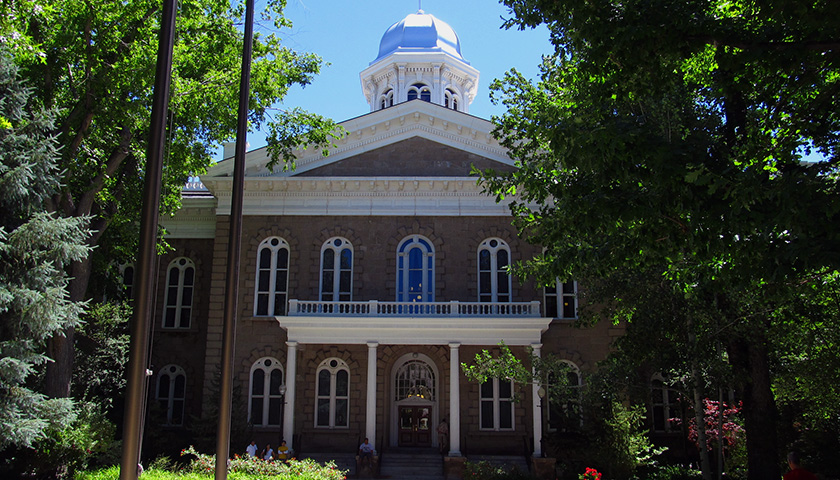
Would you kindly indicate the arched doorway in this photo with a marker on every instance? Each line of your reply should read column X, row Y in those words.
column 414, row 401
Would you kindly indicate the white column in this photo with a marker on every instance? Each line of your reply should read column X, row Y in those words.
column 454, row 400
column 370, row 408
column 289, row 407
column 537, row 407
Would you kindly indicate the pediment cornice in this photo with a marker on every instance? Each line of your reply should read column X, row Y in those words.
column 382, row 128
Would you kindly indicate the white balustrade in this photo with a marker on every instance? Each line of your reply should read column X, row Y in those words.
column 414, row 309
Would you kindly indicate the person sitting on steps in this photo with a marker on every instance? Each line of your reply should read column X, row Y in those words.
column 365, row 453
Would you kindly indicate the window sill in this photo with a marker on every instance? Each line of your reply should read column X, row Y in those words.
column 177, row 329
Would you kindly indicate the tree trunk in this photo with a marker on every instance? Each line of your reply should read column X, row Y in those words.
column 697, row 400
column 751, row 363
column 61, row 347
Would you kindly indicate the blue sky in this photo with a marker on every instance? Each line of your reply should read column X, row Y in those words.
column 346, row 34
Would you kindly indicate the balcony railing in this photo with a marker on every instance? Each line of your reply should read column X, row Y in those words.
column 375, row 308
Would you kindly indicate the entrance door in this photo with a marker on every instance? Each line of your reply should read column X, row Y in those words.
column 415, row 426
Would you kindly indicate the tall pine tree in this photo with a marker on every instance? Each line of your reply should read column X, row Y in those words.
column 35, row 249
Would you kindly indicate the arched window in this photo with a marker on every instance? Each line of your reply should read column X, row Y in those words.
column 170, row 393
column 494, row 283
column 387, row 99
column 421, row 91
column 496, row 404
column 450, row 99
column 414, row 379
column 180, row 283
column 127, row 280
column 333, row 394
column 664, row 404
column 415, row 270
column 564, row 412
column 561, row 300
column 336, row 270
column 265, row 397
column 272, row 277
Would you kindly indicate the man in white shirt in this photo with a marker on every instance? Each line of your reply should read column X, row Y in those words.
column 252, row 449
column 365, row 452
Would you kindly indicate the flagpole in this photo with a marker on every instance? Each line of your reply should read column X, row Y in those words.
column 141, row 319
column 234, row 251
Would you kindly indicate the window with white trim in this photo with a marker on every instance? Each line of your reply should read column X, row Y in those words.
column 421, row 91
column 415, row 379
column 561, row 300
column 180, row 283
column 387, row 99
column 494, row 283
column 337, row 270
column 415, row 270
column 272, row 284
column 265, row 397
column 496, row 408
column 564, row 413
column 664, row 404
column 450, row 99
column 332, row 407
column 171, row 392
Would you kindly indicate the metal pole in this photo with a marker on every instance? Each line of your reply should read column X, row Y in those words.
column 141, row 319
column 234, row 247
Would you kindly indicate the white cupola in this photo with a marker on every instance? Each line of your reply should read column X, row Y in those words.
column 420, row 59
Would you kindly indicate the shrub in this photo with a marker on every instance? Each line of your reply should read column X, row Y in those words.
column 485, row 471
column 292, row 470
column 87, row 439
column 667, row 472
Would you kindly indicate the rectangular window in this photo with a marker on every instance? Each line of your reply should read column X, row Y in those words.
column 496, row 409
column 561, row 300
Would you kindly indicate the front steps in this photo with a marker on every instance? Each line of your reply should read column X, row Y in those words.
column 411, row 464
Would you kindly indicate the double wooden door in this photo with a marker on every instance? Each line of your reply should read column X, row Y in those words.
column 415, row 426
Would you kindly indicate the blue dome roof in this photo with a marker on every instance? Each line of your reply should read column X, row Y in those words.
column 420, row 32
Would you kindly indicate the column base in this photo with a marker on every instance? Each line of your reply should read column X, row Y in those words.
column 453, row 467
column 543, row 468
column 367, row 469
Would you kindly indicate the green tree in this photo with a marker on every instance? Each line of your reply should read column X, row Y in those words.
column 613, row 438
column 35, row 246
column 670, row 134
column 94, row 63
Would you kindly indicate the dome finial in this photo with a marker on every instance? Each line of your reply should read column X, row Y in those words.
column 419, row 6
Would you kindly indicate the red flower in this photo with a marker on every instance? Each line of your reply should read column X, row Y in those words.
column 590, row 474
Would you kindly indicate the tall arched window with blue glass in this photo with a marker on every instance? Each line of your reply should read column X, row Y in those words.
column 415, row 270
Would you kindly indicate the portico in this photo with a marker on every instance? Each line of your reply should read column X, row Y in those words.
column 414, row 401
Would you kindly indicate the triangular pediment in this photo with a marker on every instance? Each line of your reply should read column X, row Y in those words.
column 412, row 157
column 413, row 138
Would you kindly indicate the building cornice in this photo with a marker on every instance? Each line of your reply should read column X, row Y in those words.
column 195, row 219
column 520, row 331
column 365, row 196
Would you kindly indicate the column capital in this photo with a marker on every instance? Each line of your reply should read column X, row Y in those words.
column 454, row 345
column 372, row 344
column 292, row 344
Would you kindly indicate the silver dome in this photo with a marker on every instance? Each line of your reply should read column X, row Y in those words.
column 420, row 32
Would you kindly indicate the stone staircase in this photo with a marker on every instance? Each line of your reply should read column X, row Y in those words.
column 411, row 464
column 344, row 461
